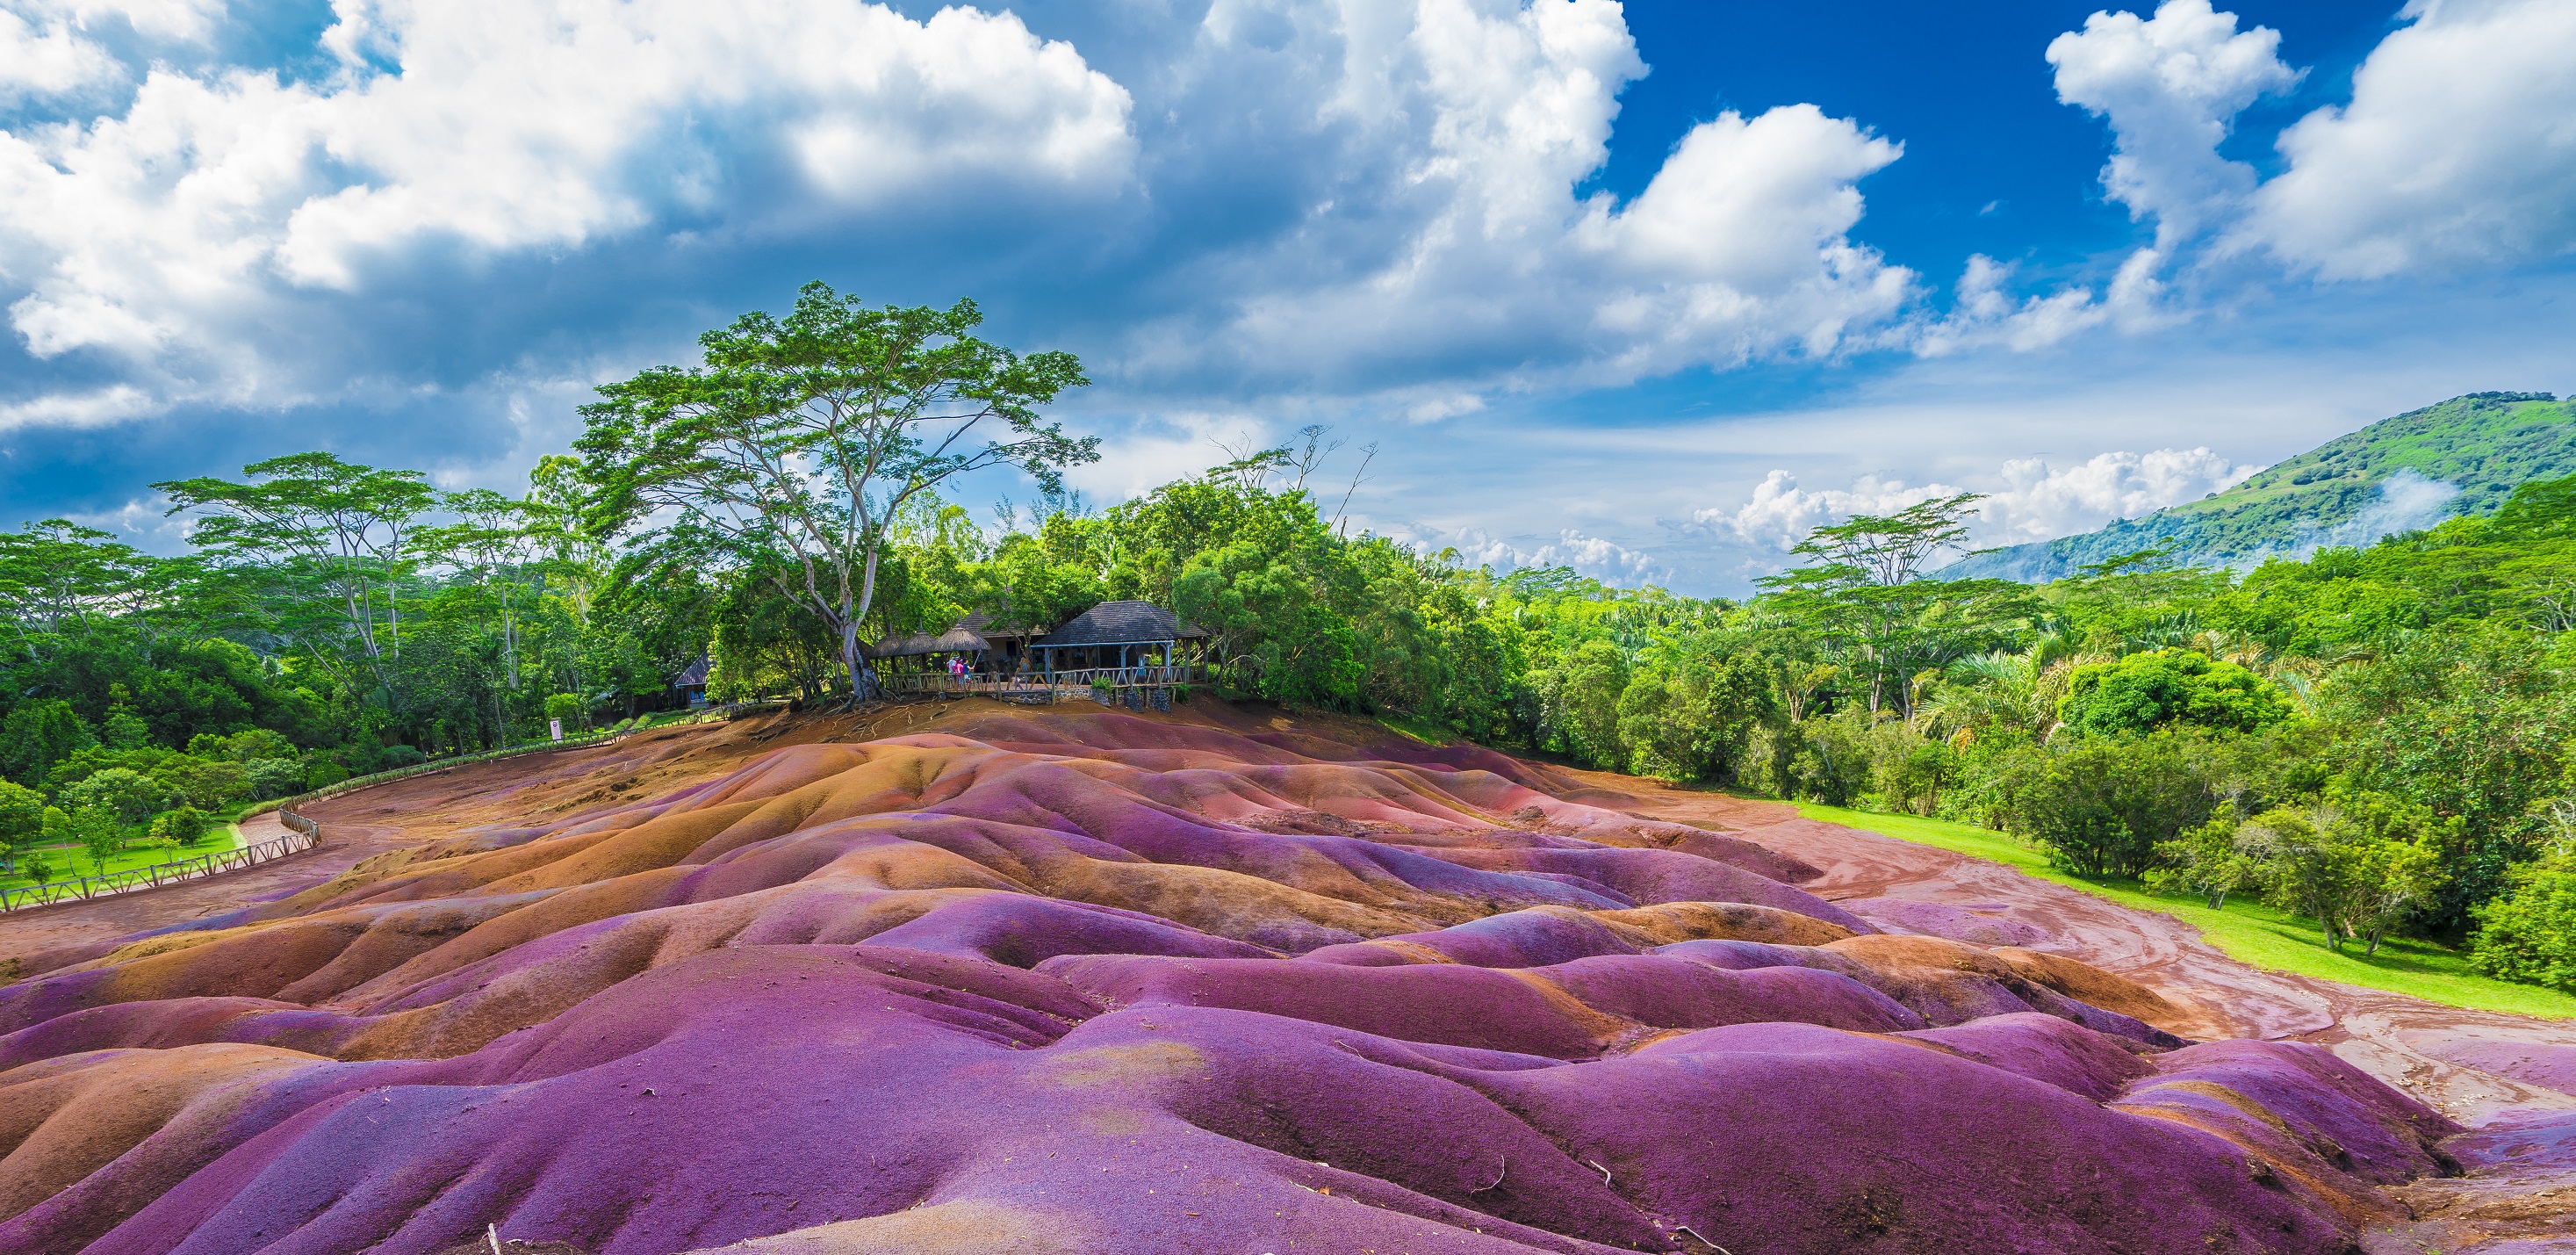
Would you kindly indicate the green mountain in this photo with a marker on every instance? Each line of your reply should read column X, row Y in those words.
column 2463, row 456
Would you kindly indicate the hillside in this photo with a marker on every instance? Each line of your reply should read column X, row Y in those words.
column 1078, row 980
column 2463, row 456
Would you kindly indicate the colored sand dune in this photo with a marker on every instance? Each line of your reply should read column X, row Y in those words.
column 1094, row 982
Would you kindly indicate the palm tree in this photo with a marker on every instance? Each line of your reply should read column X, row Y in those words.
column 2015, row 690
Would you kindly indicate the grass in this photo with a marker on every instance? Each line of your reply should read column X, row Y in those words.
column 70, row 862
column 1427, row 731
column 2245, row 930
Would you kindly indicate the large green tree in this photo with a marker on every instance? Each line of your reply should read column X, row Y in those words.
column 322, row 545
column 1865, row 589
column 802, row 438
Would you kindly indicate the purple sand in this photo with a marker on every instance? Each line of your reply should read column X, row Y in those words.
column 944, row 992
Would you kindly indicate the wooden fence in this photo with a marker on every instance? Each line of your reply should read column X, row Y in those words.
column 302, row 834
column 1042, row 685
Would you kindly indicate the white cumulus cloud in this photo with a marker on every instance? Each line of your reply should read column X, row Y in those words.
column 1486, row 116
column 1984, row 314
column 2170, row 85
column 47, row 58
column 2037, row 502
column 2458, row 148
column 191, row 233
column 1781, row 513
column 1591, row 556
column 2029, row 500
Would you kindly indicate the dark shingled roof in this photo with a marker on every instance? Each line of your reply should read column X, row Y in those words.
column 695, row 676
column 1121, row 623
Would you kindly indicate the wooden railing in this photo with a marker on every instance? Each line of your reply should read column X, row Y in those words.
column 301, row 834
column 986, row 683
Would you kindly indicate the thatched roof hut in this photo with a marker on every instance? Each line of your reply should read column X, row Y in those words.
column 1120, row 623
column 956, row 640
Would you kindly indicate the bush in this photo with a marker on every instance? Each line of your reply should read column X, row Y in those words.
column 397, row 756
column 1914, row 779
column 2529, row 934
column 127, row 794
column 324, row 773
column 125, row 730
column 2143, row 692
column 2101, row 805
column 89, row 762
column 1829, row 759
column 35, row 868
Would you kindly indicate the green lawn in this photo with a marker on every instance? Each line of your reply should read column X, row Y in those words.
column 70, row 862
column 1427, row 731
column 2245, row 930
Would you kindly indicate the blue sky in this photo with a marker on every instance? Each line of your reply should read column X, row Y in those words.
column 1645, row 289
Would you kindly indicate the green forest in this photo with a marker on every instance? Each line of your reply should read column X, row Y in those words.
column 2376, row 739
column 2461, row 457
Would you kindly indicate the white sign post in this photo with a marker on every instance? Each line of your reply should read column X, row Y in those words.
column 555, row 726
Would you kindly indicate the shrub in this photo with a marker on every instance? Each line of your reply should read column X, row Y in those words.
column 89, row 762
column 2207, row 861
column 396, row 756
column 1830, row 759
column 2101, row 805
column 2529, row 933
column 125, row 730
column 241, row 747
column 324, row 773
column 2143, row 692
column 36, row 868
column 2355, row 863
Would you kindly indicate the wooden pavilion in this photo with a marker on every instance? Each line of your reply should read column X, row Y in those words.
column 1122, row 636
column 1118, row 652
